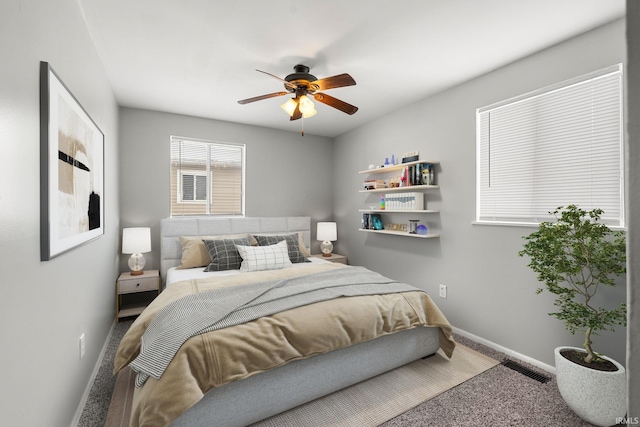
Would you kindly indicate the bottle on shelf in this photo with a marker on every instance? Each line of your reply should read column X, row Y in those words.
column 382, row 204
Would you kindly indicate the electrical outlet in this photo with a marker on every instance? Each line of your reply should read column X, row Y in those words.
column 81, row 346
column 443, row 291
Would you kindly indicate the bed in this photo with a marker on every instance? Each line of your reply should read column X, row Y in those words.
column 274, row 362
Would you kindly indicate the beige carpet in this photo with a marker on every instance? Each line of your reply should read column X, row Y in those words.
column 368, row 403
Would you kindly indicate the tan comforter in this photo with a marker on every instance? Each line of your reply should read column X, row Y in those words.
column 216, row 358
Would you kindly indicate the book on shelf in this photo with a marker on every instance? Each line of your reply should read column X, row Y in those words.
column 418, row 174
column 372, row 184
column 404, row 201
column 371, row 221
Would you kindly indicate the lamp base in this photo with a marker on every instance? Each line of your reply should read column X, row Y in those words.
column 326, row 247
column 136, row 264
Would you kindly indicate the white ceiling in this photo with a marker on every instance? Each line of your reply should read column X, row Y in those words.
column 198, row 57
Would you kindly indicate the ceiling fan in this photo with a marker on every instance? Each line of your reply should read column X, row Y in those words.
column 303, row 85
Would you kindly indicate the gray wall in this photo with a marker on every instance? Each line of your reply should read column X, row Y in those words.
column 491, row 291
column 633, row 242
column 46, row 306
column 286, row 174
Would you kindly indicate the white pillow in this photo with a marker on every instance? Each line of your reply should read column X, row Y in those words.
column 257, row 258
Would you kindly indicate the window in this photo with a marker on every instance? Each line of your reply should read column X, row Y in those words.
column 207, row 178
column 193, row 186
column 557, row 146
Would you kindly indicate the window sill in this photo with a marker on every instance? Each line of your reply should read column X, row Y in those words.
column 530, row 225
column 507, row 224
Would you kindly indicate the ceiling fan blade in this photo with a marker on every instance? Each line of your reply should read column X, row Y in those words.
column 261, row 97
column 288, row 84
column 297, row 114
column 341, row 80
column 335, row 103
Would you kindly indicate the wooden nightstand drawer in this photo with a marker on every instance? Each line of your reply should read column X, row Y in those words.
column 140, row 284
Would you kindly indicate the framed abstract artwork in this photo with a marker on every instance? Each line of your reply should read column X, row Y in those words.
column 71, row 170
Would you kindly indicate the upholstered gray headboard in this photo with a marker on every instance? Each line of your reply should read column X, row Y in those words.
column 172, row 228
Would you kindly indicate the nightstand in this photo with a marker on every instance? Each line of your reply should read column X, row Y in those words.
column 333, row 258
column 134, row 293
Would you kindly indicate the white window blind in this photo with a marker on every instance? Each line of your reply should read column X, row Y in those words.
column 207, row 178
column 557, row 146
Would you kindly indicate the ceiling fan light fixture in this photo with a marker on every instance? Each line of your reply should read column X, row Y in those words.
column 306, row 107
column 309, row 114
column 290, row 106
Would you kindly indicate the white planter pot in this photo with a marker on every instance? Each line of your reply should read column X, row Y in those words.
column 598, row 397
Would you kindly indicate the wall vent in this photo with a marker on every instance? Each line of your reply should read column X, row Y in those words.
column 525, row 371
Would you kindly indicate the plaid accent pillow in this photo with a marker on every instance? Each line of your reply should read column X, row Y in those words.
column 257, row 258
column 295, row 255
column 223, row 253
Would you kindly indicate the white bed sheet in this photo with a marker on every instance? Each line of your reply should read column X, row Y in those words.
column 174, row 275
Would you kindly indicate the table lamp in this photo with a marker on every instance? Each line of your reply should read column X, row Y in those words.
column 327, row 232
column 136, row 241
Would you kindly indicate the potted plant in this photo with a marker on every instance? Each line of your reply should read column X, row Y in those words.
column 574, row 257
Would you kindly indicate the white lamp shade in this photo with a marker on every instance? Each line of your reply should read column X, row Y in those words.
column 309, row 114
column 327, row 231
column 290, row 106
column 136, row 240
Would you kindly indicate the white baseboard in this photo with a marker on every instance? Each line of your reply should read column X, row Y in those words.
column 515, row 354
column 94, row 374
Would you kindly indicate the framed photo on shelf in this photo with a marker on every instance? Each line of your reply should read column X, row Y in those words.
column 71, row 169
